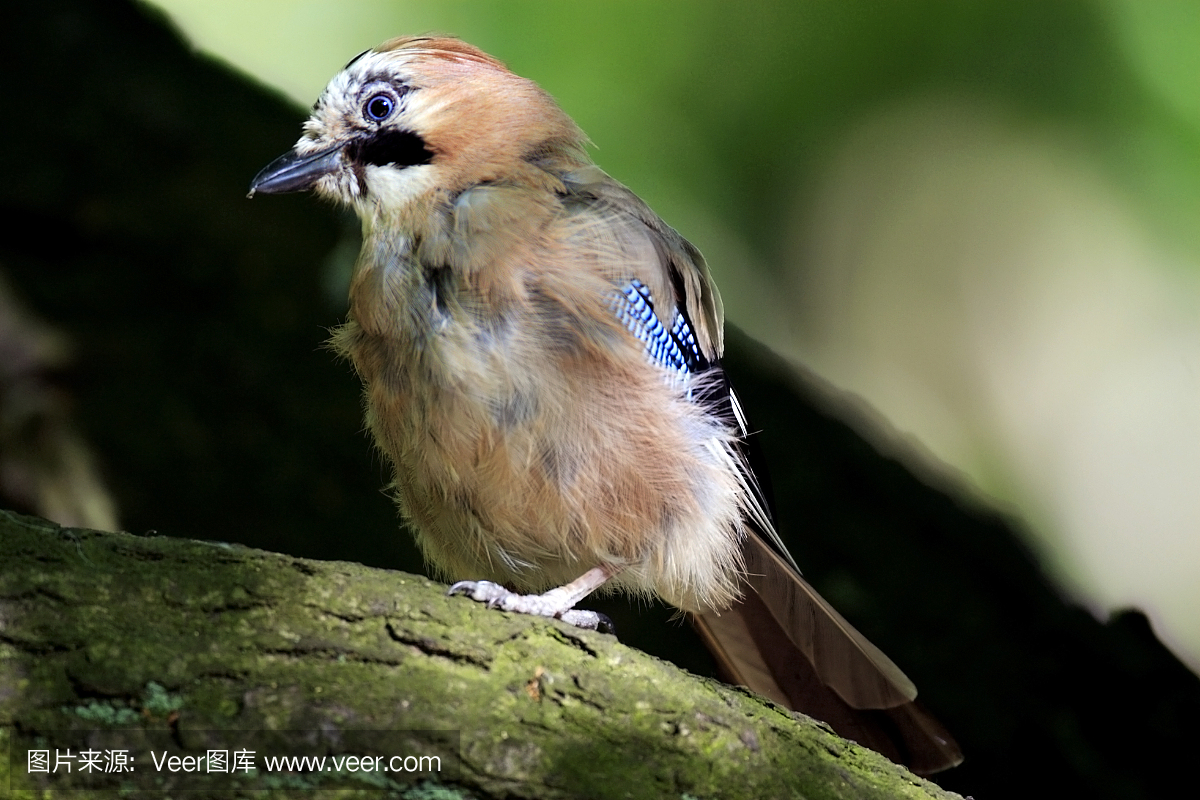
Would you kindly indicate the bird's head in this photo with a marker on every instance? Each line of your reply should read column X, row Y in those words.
column 418, row 115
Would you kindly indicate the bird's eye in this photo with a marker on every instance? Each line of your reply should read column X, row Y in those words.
column 380, row 107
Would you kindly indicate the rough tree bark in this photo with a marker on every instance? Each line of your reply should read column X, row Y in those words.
column 167, row 639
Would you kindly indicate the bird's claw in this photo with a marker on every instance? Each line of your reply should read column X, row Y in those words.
column 589, row 620
column 493, row 595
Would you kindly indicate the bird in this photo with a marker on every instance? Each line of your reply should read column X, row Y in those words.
column 540, row 356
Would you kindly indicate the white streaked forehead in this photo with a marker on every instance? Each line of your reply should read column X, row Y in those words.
column 368, row 67
column 399, row 66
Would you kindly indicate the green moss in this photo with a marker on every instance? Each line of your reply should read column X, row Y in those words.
column 155, row 701
column 158, row 702
column 106, row 714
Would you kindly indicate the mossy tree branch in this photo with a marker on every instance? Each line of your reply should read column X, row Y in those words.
column 104, row 630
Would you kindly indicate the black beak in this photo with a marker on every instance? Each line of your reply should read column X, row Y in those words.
column 295, row 173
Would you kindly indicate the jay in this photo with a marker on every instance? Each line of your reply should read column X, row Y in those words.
column 540, row 355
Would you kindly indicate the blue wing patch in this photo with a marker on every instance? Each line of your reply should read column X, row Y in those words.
column 675, row 348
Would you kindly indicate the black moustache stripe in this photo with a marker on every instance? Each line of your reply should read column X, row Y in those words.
column 400, row 147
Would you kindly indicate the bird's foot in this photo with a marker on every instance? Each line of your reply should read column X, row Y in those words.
column 557, row 603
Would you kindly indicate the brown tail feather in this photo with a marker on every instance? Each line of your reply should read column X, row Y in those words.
column 784, row 641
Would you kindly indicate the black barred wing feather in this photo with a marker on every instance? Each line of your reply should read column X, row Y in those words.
column 672, row 348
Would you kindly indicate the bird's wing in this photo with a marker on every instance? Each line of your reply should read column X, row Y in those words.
column 680, row 268
column 783, row 639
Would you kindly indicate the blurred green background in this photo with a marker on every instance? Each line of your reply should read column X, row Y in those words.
column 980, row 219
column 968, row 229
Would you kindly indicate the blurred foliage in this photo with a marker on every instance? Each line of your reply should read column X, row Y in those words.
column 198, row 319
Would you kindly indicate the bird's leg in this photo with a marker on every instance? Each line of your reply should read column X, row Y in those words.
column 558, row 603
